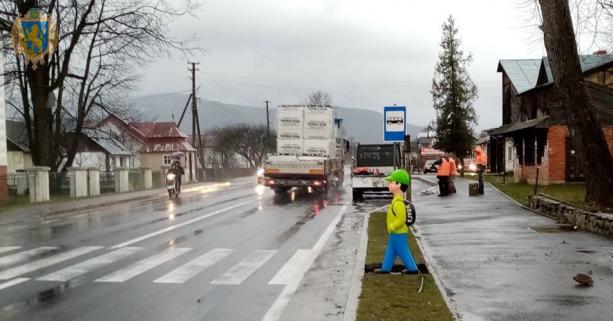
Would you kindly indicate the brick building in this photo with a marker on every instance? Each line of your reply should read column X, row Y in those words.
column 534, row 133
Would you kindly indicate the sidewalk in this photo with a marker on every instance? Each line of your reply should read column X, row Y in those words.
column 77, row 206
column 498, row 261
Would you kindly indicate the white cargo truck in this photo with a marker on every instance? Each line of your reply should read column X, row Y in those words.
column 310, row 150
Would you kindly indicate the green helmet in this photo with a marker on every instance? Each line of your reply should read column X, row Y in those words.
column 399, row 176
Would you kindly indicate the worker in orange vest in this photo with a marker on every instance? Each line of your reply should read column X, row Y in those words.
column 442, row 173
column 481, row 160
column 452, row 174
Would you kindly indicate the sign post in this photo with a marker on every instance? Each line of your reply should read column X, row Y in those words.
column 394, row 130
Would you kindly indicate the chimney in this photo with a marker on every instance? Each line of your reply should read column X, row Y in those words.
column 600, row 52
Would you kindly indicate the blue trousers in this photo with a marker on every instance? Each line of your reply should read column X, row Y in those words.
column 397, row 245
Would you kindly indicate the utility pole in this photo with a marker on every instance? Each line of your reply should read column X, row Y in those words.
column 267, row 128
column 197, row 137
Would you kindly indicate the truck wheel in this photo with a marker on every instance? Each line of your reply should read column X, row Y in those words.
column 357, row 195
column 280, row 191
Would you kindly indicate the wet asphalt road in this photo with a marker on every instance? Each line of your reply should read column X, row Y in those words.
column 498, row 261
column 221, row 253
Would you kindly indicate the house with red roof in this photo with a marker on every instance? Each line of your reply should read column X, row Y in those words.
column 154, row 144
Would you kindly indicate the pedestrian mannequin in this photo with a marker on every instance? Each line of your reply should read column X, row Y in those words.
column 398, row 231
column 442, row 173
column 481, row 160
column 452, row 174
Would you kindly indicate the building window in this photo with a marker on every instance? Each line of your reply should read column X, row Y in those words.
column 527, row 154
column 167, row 160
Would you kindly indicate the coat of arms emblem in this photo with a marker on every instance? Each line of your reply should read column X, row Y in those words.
column 35, row 36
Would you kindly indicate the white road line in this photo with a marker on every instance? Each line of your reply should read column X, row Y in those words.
column 275, row 311
column 79, row 269
column 295, row 266
column 241, row 271
column 195, row 266
column 12, row 282
column 143, row 265
column 42, row 263
column 4, row 249
column 150, row 235
column 25, row 255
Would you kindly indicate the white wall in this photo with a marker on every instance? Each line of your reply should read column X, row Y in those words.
column 18, row 160
column 509, row 154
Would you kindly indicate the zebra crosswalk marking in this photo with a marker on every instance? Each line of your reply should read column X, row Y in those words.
column 12, row 282
column 296, row 265
column 25, row 255
column 4, row 249
column 79, row 269
column 195, row 266
column 143, row 265
column 241, row 271
column 45, row 262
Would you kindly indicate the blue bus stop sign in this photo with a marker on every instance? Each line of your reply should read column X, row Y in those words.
column 394, row 123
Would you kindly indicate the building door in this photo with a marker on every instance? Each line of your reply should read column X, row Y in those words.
column 574, row 166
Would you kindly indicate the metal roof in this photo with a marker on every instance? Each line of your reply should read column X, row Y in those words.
column 587, row 62
column 523, row 73
column 106, row 141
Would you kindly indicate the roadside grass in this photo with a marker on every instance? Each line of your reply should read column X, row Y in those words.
column 21, row 201
column 13, row 202
column 394, row 297
column 571, row 193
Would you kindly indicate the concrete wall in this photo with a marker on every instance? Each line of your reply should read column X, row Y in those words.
column 18, row 161
column 599, row 223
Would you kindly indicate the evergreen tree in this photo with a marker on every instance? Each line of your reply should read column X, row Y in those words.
column 453, row 93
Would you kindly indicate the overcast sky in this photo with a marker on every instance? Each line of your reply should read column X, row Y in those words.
column 366, row 54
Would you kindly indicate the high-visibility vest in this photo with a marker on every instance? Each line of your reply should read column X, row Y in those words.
column 481, row 158
column 452, row 167
column 443, row 168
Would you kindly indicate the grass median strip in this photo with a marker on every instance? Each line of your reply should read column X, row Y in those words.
column 393, row 297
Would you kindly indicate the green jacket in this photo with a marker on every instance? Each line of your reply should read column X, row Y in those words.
column 396, row 223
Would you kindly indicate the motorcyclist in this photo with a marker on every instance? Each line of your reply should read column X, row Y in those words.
column 178, row 170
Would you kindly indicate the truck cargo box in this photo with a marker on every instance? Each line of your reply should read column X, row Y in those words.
column 319, row 123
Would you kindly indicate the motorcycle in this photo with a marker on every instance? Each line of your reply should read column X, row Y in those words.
column 171, row 185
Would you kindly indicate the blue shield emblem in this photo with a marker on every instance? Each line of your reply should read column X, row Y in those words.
column 36, row 36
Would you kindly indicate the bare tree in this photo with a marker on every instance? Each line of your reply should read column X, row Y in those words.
column 248, row 141
column 319, row 98
column 100, row 42
column 585, row 128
